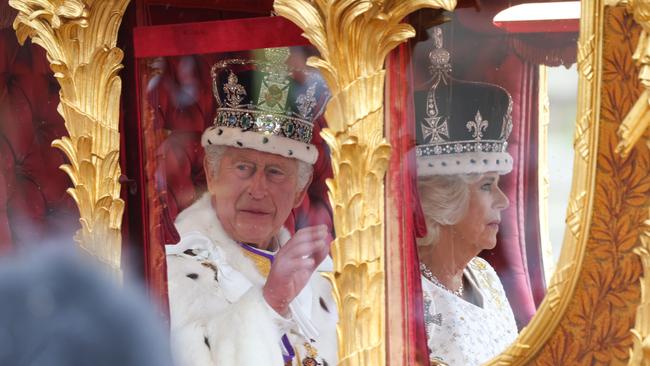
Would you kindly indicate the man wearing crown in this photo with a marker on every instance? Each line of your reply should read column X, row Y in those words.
column 242, row 289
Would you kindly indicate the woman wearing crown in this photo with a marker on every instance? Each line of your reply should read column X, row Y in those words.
column 461, row 153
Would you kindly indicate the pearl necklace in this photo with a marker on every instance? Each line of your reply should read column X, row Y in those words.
column 426, row 272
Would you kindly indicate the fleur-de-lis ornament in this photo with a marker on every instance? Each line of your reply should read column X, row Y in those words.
column 479, row 125
column 234, row 91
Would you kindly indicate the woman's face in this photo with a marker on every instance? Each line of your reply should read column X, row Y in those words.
column 480, row 225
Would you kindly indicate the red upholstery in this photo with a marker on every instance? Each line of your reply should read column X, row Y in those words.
column 33, row 203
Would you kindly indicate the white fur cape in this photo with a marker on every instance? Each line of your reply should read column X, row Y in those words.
column 218, row 314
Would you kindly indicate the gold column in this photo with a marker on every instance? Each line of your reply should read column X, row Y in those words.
column 353, row 38
column 79, row 37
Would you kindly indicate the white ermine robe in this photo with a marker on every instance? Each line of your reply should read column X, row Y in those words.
column 218, row 314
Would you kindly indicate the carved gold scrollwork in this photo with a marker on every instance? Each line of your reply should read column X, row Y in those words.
column 585, row 55
column 632, row 129
column 637, row 121
column 640, row 354
column 354, row 38
column 79, row 38
column 581, row 139
column 553, row 292
column 562, row 285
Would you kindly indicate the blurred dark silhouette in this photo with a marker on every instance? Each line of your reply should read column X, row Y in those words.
column 58, row 309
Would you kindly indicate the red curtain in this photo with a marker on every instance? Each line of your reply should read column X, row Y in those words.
column 401, row 192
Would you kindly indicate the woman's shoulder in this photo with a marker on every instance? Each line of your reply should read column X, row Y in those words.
column 481, row 266
column 489, row 282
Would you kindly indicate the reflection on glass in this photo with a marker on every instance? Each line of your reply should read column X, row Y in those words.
column 461, row 151
column 230, row 150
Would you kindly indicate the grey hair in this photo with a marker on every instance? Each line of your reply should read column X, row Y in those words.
column 444, row 200
column 214, row 153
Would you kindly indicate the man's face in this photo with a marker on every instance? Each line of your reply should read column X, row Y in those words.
column 254, row 193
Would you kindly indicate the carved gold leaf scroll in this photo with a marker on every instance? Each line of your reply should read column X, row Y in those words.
column 633, row 128
column 542, row 339
column 640, row 353
column 79, row 38
column 353, row 38
column 637, row 121
column 595, row 326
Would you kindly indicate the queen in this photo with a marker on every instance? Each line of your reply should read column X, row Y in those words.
column 461, row 154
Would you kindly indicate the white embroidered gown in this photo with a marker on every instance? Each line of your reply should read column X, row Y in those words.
column 462, row 334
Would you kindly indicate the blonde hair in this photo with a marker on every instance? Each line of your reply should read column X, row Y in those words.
column 444, row 200
column 214, row 153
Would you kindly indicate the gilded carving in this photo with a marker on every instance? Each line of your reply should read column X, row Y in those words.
column 581, row 139
column 553, row 292
column 575, row 213
column 585, row 56
column 640, row 354
column 637, row 121
column 595, row 328
column 79, row 38
column 574, row 326
column 538, row 342
column 353, row 39
column 631, row 130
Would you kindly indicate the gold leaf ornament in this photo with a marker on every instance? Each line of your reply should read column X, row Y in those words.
column 79, row 37
column 353, row 38
column 637, row 121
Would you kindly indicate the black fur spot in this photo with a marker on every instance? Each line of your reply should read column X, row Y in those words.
column 444, row 164
column 212, row 267
column 209, row 265
column 190, row 252
column 307, row 147
column 485, row 161
column 498, row 161
column 207, row 342
column 220, row 132
column 457, row 162
column 290, row 152
column 430, row 165
column 323, row 305
column 472, row 161
column 265, row 140
column 209, row 142
column 193, row 276
column 239, row 143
